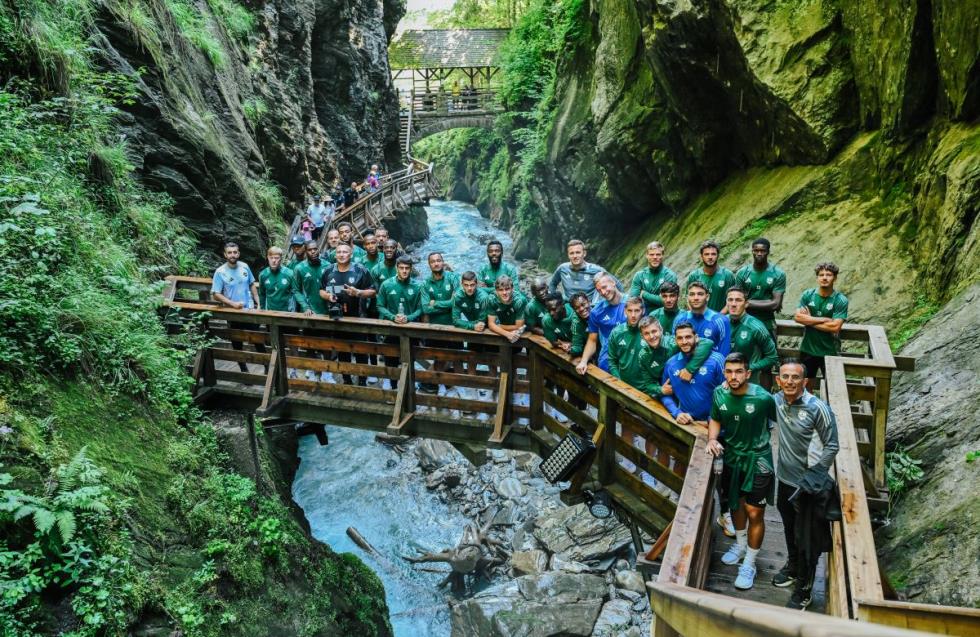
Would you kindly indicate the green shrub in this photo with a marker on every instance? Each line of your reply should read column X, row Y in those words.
column 195, row 27
column 238, row 20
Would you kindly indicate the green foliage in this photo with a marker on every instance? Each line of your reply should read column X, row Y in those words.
column 196, row 28
column 479, row 14
column 255, row 109
column 901, row 472
column 922, row 310
column 238, row 20
column 971, row 456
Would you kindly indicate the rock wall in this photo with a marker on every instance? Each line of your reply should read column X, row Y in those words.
column 230, row 128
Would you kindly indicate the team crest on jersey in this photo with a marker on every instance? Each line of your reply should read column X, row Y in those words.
column 703, row 371
column 284, row 281
column 830, row 306
column 448, row 287
column 749, row 409
column 622, row 342
column 769, row 280
column 743, row 335
column 411, row 292
column 707, row 331
column 721, row 284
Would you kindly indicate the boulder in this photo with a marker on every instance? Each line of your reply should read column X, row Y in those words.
column 511, row 488
column 577, row 536
column 433, row 454
column 529, row 562
column 615, row 617
column 631, row 581
column 532, row 606
column 558, row 563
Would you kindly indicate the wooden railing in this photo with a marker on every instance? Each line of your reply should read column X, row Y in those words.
column 444, row 104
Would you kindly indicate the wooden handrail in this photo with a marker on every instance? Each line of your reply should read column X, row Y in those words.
column 942, row 620
column 687, row 612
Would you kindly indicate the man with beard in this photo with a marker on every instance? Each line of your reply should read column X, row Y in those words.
column 707, row 323
column 716, row 279
column 308, row 276
column 557, row 325
column 577, row 274
column 605, row 316
column 399, row 300
column 387, row 268
column 582, row 308
column 743, row 411
column 468, row 311
column 231, row 286
column 822, row 313
column 667, row 314
column 495, row 267
column 372, row 256
column 689, row 400
column 437, row 307
column 346, row 231
column 750, row 337
column 535, row 311
column 298, row 247
column 349, row 286
column 765, row 285
column 647, row 281
column 505, row 310
column 333, row 240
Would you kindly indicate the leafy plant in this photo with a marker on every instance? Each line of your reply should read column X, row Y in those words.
column 901, row 472
column 971, row 456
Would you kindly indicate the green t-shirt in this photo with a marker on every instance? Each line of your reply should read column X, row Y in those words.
column 393, row 293
column 717, row 284
column 665, row 318
column 534, row 314
column 505, row 314
column 646, row 285
column 277, row 290
column 815, row 342
column 580, row 334
column 760, row 285
column 308, row 286
column 357, row 255
column 368, row 263
column 559, row 330
column 750, row 337
column 488, row 276
column 468, row 310
column 632, row 360
column 745, row 423
column 437, row 298
column 382, row 272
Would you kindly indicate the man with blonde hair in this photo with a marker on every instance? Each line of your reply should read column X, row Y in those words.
column 647, row 281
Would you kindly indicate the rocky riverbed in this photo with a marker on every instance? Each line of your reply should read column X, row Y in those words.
column 567, row 572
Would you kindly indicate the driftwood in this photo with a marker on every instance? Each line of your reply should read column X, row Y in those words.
column 476, row 554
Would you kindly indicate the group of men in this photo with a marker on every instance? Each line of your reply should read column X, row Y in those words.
column 711, row 363
column 321, row 211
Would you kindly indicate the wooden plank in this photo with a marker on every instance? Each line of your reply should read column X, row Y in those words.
column 553, row 425
column 860, row 560
column 282, row 374
column 196, row 368
column 405, row 356
column 328, row 344
column 648, row 495
column 663, row 474
column 905, row 363
column 607, row 458
column 356, row 392
column 574, row 386
column 649, row 431
column 458, row 355
column 860, row 391
column 882, row 392
column 837, row 603
column 270, row 378
column 449, row 402
column 239, row 356
column 244, row 336
column 940, row 620
column 208, row 369
column 457, row 380
column 536, row 382
column 169, row 289
column 396, row 414
column 644, row 515
column 657, row 549
column 503, row 398
column 580, row 418
column 240, row 377
column 342, row 367
column 694, row 497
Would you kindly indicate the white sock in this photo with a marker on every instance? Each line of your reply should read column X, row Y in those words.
column 750, row 557
column 742, row 538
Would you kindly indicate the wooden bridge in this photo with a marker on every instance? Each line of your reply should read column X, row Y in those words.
column 531, row 381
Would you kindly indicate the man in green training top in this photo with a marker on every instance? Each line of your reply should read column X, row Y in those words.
column 505, row 310
column 715, row 277
column 372, row 256
column 667, row 314
column 495, row 267
column 387, row 268
column 822, row 313
column 346, row 231
column 400, row 301
column 647, row 281
column 308, row 275
column 744, row 412
column 534, row 310
column 468, row 311
column 764, row 283
column 330, row 252
column 557, row 324
column 276, row 286
column 438, row 290
column 750, row 337
column 582, row 307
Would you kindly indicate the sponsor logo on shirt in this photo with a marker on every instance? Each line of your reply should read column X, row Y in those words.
column 723, row 407
column 622, row 342
column 448, row 287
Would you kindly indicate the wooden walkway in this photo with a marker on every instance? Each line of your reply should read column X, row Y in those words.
column 535, row 383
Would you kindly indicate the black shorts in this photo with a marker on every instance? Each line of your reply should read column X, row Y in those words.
column 761, row 487
column 814, row 363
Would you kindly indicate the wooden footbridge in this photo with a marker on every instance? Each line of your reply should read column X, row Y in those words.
column 533, row 384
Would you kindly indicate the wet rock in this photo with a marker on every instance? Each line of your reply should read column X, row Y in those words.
column 532, row 606
column 558, row 563
column 525, row 460
column 433, row 454
column 529, row 562
column 511, row 488
column 448, row 476
column 631, row 581
column 577, row 536
column 499, row 456
column 615, row 617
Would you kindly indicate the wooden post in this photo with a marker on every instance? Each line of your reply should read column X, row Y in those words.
column 207, row 369
column 506, row 362
column 883, row 387
column 253, row 443
column 278, row 361
column 607, row 453
column 536, row 381
column 405, row 354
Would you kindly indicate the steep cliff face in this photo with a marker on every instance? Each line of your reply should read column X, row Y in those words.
column 300, row 98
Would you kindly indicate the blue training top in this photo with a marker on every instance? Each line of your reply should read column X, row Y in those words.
column 711, row 324
column 693, row 397
column 235, row 283
column 603, row 318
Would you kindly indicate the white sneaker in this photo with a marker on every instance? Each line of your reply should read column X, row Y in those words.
column 293, row 374
column 726, row 524
column 733, row 555
column 310, row 375
column 326, row 377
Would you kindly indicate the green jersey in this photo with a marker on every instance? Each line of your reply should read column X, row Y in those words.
column 666, row 318
column 559, row 330
column 488, row 275
column 534, row 314
column 357, row 255
column 400, row 297
column 745, row 422
column 506, row 314
column 468, row 310
column 646, row 285
column 760, row 285
column 369, row 263
column 815, row 342
column 437, row 298
column 383, row 272
column 750, row 337
column 277, row 289
column 632, row 360
column 580, row 334
column 717, row 284
column 308, row 286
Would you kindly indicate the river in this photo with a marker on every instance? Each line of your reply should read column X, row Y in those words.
column 355, row 481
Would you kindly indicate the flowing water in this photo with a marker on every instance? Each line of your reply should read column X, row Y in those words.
column 357, row 482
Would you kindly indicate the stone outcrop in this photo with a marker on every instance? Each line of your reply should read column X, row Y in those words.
column 232, row 131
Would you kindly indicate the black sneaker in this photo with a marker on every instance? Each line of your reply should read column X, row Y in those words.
column 800, row 600
column 785, row 577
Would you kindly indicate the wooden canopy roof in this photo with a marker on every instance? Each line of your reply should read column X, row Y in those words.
column 445, row 48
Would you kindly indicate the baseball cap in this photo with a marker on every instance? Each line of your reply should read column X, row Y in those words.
column 298, row 240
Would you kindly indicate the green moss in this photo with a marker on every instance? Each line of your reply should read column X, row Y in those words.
column 923, row 309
